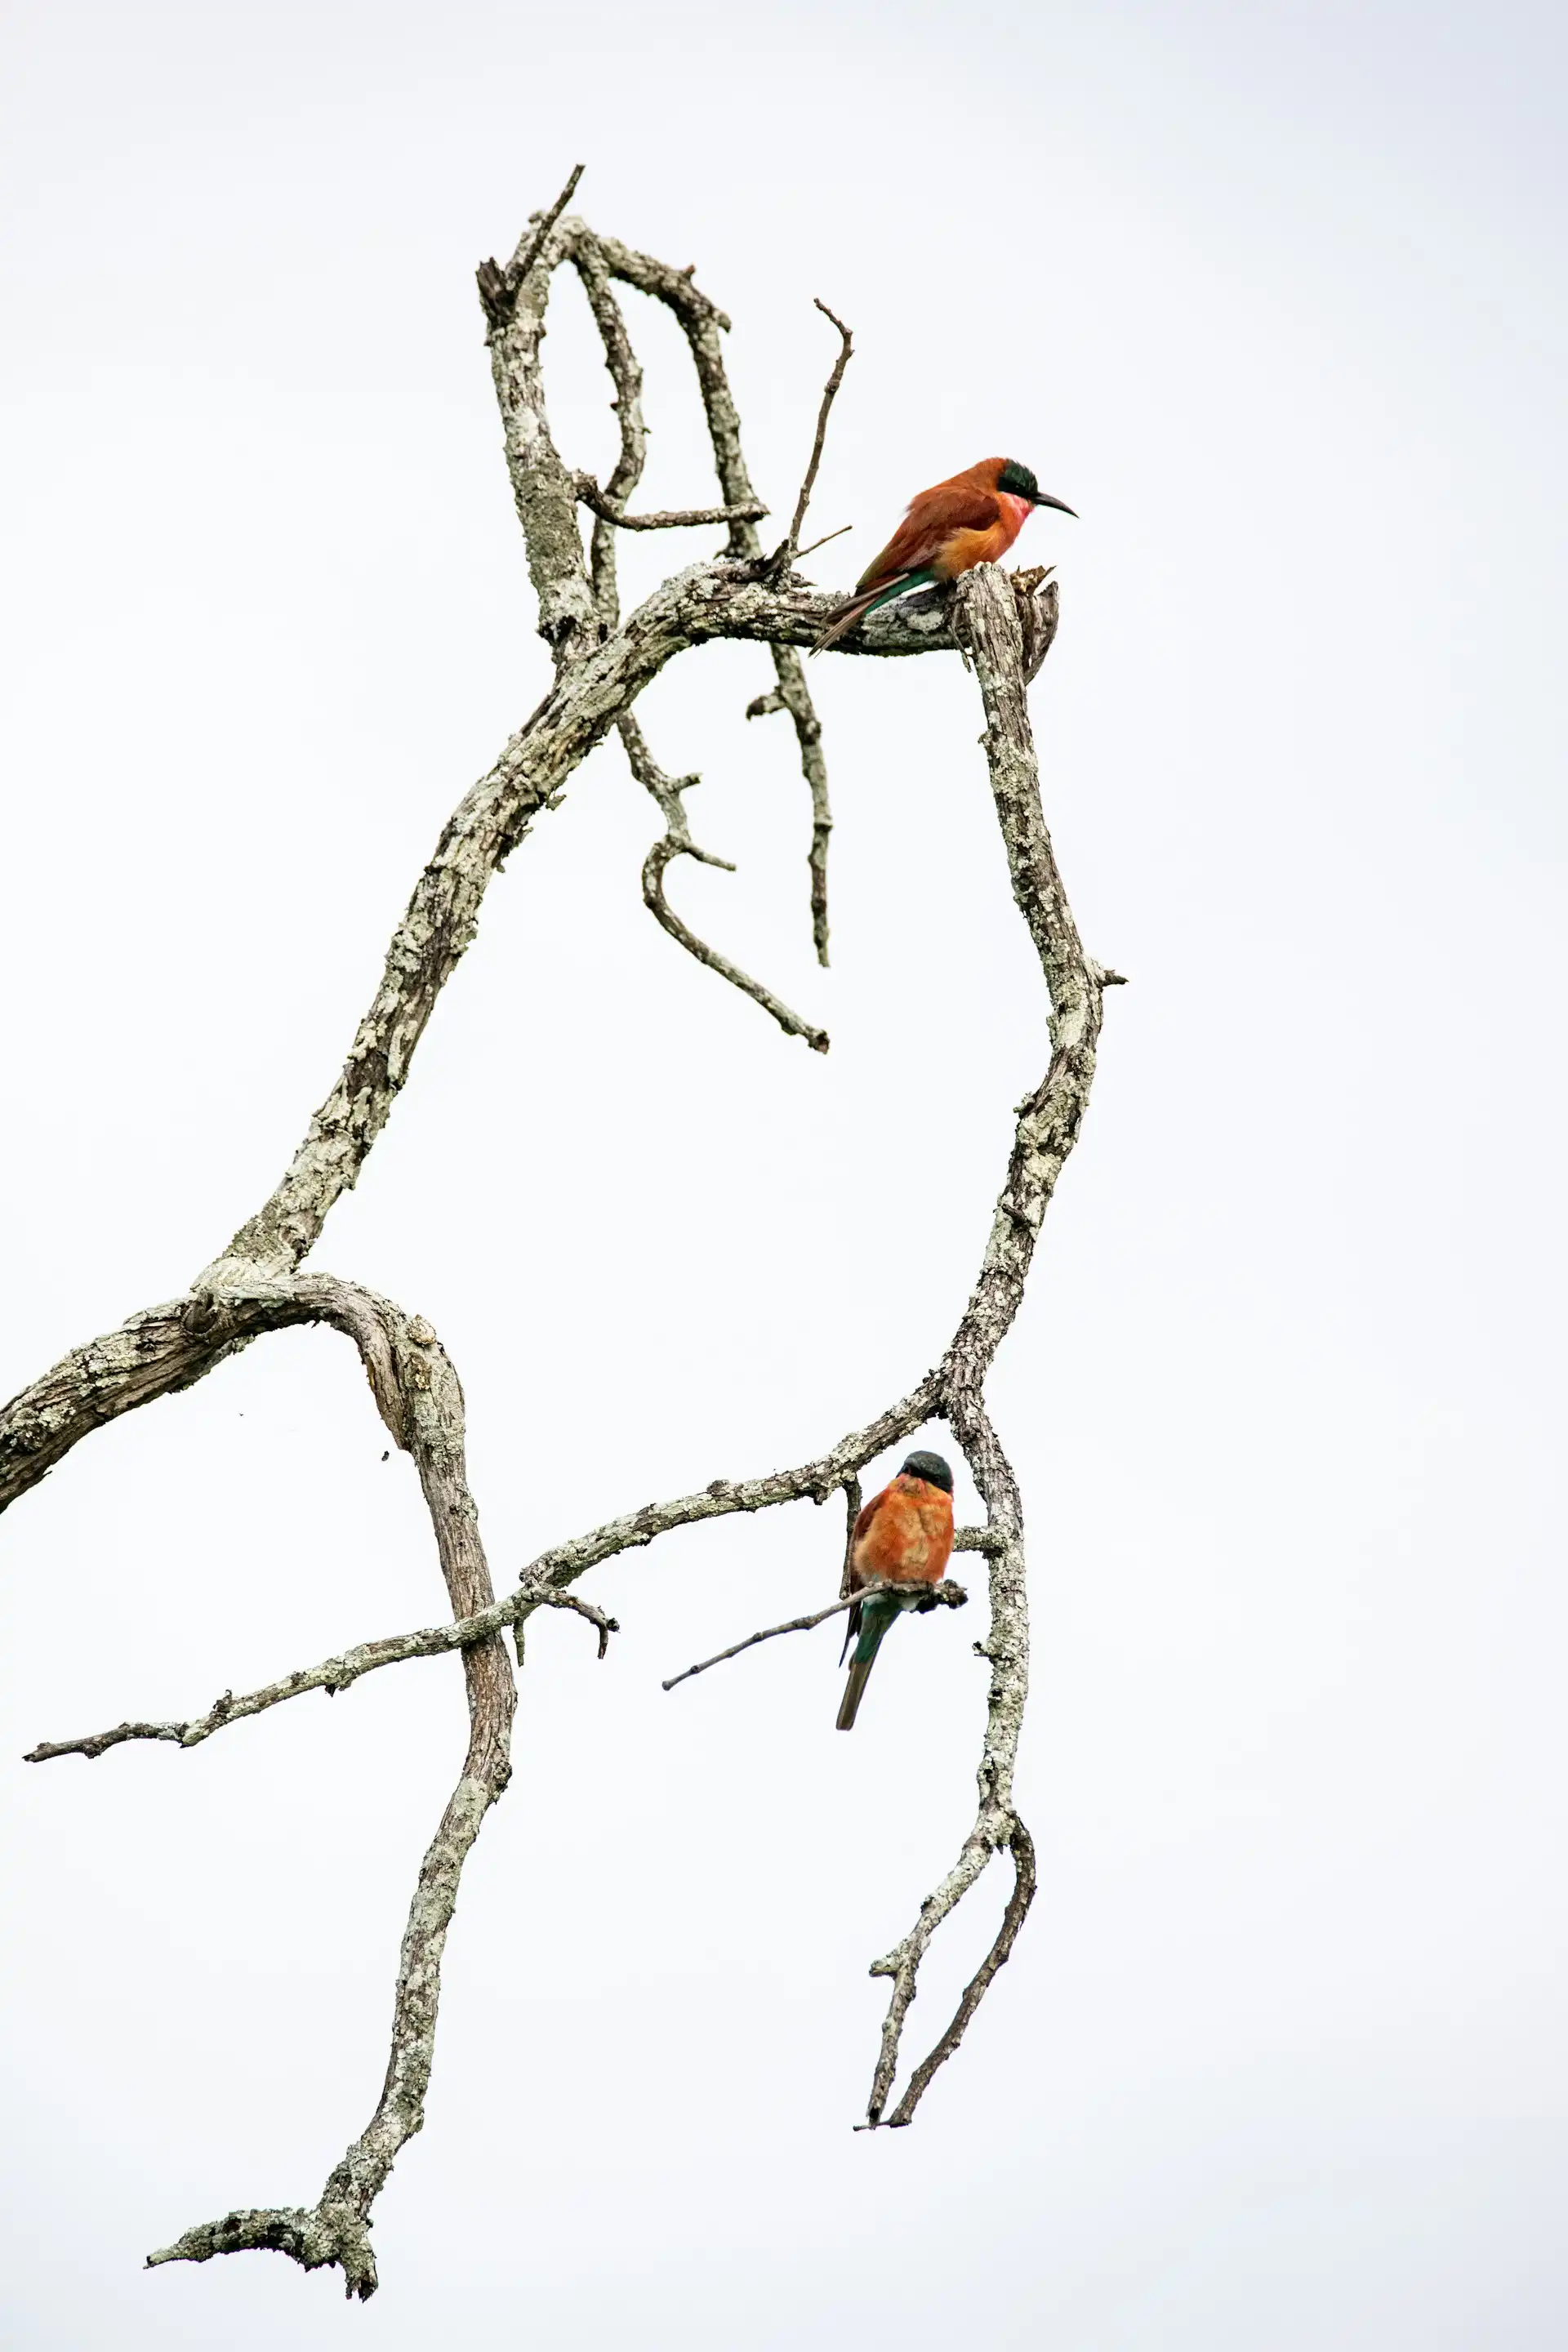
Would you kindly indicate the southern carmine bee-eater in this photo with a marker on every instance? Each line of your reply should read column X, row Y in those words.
column 904, row 1536
column 973, row 517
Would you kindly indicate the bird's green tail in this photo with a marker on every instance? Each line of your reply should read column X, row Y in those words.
column 844, row 617
column 924, row 578
column 876, row 1616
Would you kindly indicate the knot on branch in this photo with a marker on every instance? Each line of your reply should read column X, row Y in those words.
column 206, row 1315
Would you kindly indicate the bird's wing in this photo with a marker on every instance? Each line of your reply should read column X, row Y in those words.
column 858, row 1575
column 931, row 522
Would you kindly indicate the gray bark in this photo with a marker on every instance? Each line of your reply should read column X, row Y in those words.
column 1004, row 627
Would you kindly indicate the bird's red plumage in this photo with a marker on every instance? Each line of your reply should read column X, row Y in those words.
column 949, row 529
column 904, row 1536
column 951, row 526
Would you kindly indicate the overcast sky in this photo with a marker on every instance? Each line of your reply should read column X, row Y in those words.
column 1272, row 295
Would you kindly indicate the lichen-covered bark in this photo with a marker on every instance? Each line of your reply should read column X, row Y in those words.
column 256, row 1285
column 421, row 1403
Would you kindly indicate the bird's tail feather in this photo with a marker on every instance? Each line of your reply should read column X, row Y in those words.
column 875, row 1617
column 844, row 617
column 850, row 1705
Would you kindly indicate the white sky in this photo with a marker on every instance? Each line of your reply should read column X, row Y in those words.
column 1272, row 296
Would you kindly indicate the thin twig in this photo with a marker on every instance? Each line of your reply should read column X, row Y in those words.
column 498, row 287
column 335, row 1674
column 825, row 540
column 792, row 684
column 781, row 563
column 683, row 519
column 932, row 1596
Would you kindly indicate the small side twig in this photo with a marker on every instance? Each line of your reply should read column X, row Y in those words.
column 825, row 540
column 944, row 1595
column 664, row 519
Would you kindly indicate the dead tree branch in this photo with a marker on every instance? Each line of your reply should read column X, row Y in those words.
column 944, row 1595
column 703, row 324
column 686, row 519
column 255, row 1285
column 334, row 1674
column 620, row 358
column 785, row 559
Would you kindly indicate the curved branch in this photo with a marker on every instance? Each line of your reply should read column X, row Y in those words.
column 601, row 666
column 1048, row 1125
column 627, row 376
column 162, row 1348
column 1021, row 1847
column 998, row 626
column 429, row 1411
column 703, row 324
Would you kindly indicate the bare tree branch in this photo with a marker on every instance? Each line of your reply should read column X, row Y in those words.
column 703, row 323
column 678, row 843
column 944, row 1595
column 334, row 1674
column 603, row 664
column 626, row 375
column 684, row 518
column 162, row 1348
column 1022, row 1849
column 825, row 540
column 498, row 287
column 423, row 1405
column 784, row 558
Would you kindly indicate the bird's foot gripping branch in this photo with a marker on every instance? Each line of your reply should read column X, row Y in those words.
column 256, row 1285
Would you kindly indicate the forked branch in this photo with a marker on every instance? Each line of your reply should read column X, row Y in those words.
column 255, row 1285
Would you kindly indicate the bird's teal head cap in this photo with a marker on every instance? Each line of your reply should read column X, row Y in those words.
column 931, row 1468
column 1020, row 483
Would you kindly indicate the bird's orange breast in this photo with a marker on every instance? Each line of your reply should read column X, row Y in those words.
column 966, row 549
column 905, row 1537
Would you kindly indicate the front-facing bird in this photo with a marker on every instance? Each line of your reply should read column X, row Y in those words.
column 973, row 517
column 904, row 1536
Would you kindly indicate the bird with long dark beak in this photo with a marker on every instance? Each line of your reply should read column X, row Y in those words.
column 973, row 517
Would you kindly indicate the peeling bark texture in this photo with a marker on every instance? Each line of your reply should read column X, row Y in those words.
column 1002, row 625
